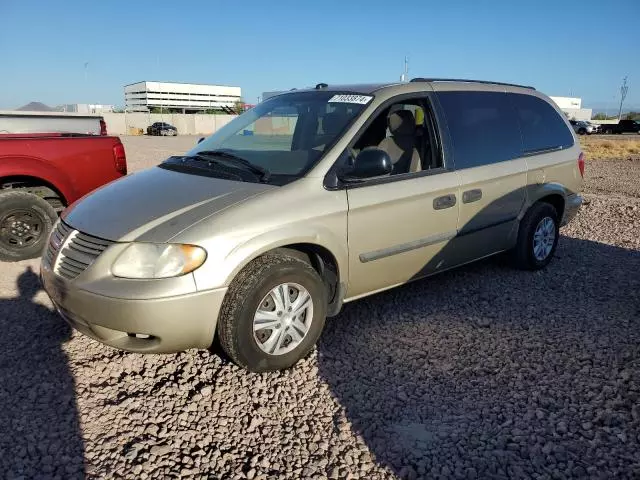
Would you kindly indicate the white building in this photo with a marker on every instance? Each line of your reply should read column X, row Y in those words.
column 573, row 108
column 142, row 96
column 86, row 108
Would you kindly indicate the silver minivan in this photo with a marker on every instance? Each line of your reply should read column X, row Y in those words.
column 314, row 198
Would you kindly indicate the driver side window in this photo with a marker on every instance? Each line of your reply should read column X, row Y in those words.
column 405, row 131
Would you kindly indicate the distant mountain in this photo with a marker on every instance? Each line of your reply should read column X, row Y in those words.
column 35, row 107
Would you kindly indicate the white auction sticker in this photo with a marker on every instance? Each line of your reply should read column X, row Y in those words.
column 361, row 99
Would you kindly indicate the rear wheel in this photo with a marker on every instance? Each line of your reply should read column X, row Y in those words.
column 273, row 313
column 537, row 238
column 25, row 224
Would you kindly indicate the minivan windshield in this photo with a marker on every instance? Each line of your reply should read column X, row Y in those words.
column 287, row 135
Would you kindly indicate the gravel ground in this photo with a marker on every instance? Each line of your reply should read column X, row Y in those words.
column 484, row 372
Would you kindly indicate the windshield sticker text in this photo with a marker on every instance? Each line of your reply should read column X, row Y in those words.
column 360, row 99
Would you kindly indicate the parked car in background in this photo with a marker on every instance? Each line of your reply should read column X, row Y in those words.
column 582, row 127
column 623, row 126
column 161, row 128
column 597, row 128
column 336, row 194
column 41, row 174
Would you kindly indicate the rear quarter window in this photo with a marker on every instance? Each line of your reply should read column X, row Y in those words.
column 482, row 126
column 542, row 126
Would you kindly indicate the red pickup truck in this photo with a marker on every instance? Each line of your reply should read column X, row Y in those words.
column 40, row 175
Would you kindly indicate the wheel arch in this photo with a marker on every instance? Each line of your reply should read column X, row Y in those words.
column 325, row 251
column 557, row 201
column 325, row 263
column 551, row 193
column 36, row 185
column 37, row 171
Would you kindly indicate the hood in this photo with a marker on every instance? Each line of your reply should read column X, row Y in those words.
column 155, row 204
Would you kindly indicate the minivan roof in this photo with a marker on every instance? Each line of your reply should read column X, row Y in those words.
column 368, row 88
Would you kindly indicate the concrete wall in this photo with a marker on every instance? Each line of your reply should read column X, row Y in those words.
column 121, row 123
column 578, row 113
column 604, row 122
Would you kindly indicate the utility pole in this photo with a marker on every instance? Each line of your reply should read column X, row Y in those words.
column 405, row 75
column 623, row 94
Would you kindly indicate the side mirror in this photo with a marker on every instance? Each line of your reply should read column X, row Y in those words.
column 370, row 162
column 200, row 139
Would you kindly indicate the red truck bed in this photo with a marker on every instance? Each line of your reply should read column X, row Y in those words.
column 42, row 173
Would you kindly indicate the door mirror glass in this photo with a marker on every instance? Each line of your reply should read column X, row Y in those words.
column 371, row 162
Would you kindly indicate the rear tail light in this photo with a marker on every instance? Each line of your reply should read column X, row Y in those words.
column 581, row 164
column 120, row 158
column 103, row 127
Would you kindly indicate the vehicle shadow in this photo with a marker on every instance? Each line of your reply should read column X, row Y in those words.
column 491, row 372
column 40, row 431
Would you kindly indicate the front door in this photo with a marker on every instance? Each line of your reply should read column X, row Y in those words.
column 398, row 225
column 396, row 229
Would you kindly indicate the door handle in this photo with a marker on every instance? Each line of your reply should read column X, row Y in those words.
column 445, row 201
column 471, row 195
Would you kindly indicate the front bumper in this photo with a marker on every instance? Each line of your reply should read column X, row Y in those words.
column 571, row 207
column 160, row 325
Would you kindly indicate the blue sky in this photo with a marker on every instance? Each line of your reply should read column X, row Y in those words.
column 563, row 47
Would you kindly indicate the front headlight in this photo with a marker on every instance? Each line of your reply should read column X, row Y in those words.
column 162, row 260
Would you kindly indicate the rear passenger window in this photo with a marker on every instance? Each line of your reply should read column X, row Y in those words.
column 483, row 127
column 542, row 127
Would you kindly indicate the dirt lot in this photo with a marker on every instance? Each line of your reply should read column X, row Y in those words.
column 484, row 372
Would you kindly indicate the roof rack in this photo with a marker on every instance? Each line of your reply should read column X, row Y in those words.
column 420, row 79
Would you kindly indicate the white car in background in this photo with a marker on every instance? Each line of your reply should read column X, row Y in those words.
column 583, row 127
column 596, row 127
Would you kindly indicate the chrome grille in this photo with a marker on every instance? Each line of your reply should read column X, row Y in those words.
column 70, row 252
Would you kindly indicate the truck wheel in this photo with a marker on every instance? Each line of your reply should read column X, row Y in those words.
column 25, row 224
column 273, row 312
column 537, row 237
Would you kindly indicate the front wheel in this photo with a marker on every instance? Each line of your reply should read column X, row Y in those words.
column 25, row 223
column 537, row 237
column 273, row 313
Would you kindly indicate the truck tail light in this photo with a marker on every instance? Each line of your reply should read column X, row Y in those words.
column 120, row 158
column 103, row 127
column 581, row 164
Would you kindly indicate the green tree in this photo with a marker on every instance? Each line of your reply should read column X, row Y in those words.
column 238, row 107
column 604, row 116
column 632, row 116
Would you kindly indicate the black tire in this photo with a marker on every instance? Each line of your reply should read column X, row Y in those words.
column 248, row 289
column 523, row 253
column 19, row 210
column 582, row 131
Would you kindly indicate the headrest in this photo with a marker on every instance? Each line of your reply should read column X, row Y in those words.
column 402, row 122
column 333, row 123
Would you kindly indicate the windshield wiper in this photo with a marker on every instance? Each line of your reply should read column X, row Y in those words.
column 262, row 173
